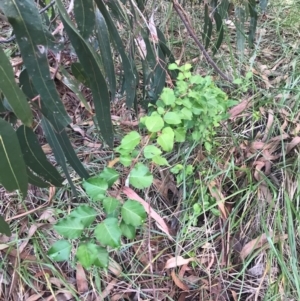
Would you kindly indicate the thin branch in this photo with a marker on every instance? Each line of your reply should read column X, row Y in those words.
column 179, row 11
column 41, row 11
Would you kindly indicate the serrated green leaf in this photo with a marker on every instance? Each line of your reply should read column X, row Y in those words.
column 126, row 160
column 87, row 254
column 109, row 175
column 85, row 214
column 151, row 151
column 130, row 141
column 95, row 187
column 166, row 139
column 12, row 92
column 161, row 161
column 168, row 96
column 4, row 227
column 172, row 118
column 108, row 232
column 133, row 213
column 128, row 231
column 140, row 176
column 105, row 50
column 85, row 17
column 60, row 250
column 154, row 123
column 34, row 41
column 13, row 174
column 35, row 158
column 87, row 57
column 102, row 258
column 69, row 227
column 110, row 206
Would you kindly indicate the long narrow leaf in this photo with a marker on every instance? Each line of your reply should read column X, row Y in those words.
column 12, row 92
column 253, row 21
column 220, row 31
column 35, row 180
column 89, row 62
column 35, row 158
column 85, row 17
column 105, row 50
column 58, row 153
column 13, row 173
column 34, row 41
column 130, row 79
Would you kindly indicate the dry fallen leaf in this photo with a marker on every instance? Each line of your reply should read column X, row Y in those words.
column 132, row 195
column 239, row 108
column 295, row 141
column 81, row 281
column 178, row 282
column 260, row 242
column 179, row 260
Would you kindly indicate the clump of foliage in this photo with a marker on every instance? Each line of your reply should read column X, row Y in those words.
column 190, row 112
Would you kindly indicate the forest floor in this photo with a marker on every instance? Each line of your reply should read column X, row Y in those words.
column 244, row 243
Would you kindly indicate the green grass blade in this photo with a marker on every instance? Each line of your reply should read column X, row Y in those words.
column 12, row 92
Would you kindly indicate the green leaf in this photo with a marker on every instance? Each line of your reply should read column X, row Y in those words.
column 140, row 176
column 85, row 17
column 70, row 154
column 151, row 151
column 110, row 206
column 35, row 158
column 126, row 160
column 109, row 175
column 127, row 230
column 58, row 153
column 95, row 187
column 60, row 250
column 102, row 258
column 105, row 50
column 80, row 75
column 74, row 85
column 4, row 227
column 129, row 74
column 166, row 139
column 108, row 232
column 180, row 134
column 186, row 114
column 154, row 123
column 85, row 214
column 34, row 41
column 69, row 227
column 35, row 180
column 12, row 92
column 133, row 213
column 130, row 141
column 168, row 96
column 26, row 84
column 87, row 58
column 172, row 118
column 87, row 254
column 161, row 161
column 13, row 173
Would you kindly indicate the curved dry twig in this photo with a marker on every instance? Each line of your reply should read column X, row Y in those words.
column 179, row 10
